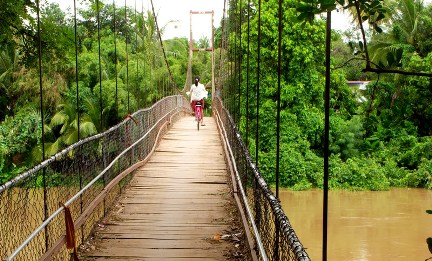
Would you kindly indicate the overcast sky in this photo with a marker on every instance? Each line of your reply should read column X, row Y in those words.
column 175, row 16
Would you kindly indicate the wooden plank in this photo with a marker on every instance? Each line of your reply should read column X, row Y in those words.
column 168, row 253
column 149, row 259
column 200, row 231
column 151, row 243
column 175, row 204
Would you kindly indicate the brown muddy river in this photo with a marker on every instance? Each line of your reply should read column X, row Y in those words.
column 368, row 225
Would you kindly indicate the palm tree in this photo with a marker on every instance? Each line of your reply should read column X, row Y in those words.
column 387, row 48
column 8, row 66
column 63, row 127
column 405, row 14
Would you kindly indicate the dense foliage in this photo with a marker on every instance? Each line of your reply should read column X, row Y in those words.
column 93, row 74
column 379, row 137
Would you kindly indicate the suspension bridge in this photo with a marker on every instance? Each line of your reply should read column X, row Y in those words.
column 152, row 187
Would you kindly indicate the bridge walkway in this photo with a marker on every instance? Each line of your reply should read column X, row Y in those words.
column 178, row 206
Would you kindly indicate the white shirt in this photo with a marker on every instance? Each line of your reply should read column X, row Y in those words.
column 198, row 92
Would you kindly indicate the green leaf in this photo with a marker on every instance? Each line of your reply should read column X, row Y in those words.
column 399, row 53
column 305, row 16
column 378, row 29
column 304, row 8
column 390, row 59
column 380, row 17
column 328, row 7
column 429, row 211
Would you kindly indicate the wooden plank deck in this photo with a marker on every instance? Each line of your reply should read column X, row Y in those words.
column 177, row 205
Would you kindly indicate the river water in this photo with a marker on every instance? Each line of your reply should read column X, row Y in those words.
column 367, row 225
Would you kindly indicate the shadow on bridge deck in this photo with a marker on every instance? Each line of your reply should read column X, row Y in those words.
column 179, row 205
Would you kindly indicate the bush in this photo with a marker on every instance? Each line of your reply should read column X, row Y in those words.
column 422, row 178
column 346, row 137
column 357, row 174
column 413, row 157
column 395, row 175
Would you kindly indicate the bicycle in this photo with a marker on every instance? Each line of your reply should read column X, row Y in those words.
column 198, row 113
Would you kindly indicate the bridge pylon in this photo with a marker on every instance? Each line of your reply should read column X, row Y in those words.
column 192, row 49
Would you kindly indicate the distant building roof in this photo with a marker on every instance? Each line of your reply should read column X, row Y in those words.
column 358, row 82
column 361, row 84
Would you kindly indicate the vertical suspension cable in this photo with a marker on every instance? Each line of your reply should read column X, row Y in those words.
column 235, row 63
column 144, row 57
column 213, row 91
column 246, row 114
column 326, row 135
column 247, row 74
column 136, row 53
column 161, row 44
column 115, row 61
column 127, row 61
column 276, row 251
column 100, row 67
column 77, row 107
column 220, row 81
column 256, row 195
column 278, row 99
column 230, row 55
column 100, row 88
column 233, row 55
column 258, row 71
column 45, row 192
column 76, row 71
column 239, row 64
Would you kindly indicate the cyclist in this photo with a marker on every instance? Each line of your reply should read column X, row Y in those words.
column 198, row 93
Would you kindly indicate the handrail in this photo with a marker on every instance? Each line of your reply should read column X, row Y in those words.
column 81, row 192
column 64, row 152
column 100, row 163
column 261, row 249
column 288, row 245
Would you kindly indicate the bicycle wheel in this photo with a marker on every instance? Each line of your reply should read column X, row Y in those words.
column 198, row 115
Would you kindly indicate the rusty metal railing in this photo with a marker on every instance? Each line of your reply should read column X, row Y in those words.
column 272, row 234
column 86, row 177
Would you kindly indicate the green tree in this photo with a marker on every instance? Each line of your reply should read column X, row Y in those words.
column 63, row 126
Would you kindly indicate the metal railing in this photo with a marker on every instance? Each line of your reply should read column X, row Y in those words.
column 273, row 236
column 86, row 178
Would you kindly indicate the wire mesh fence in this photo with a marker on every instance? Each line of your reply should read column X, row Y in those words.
column 86, row 177
column 275, row 239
